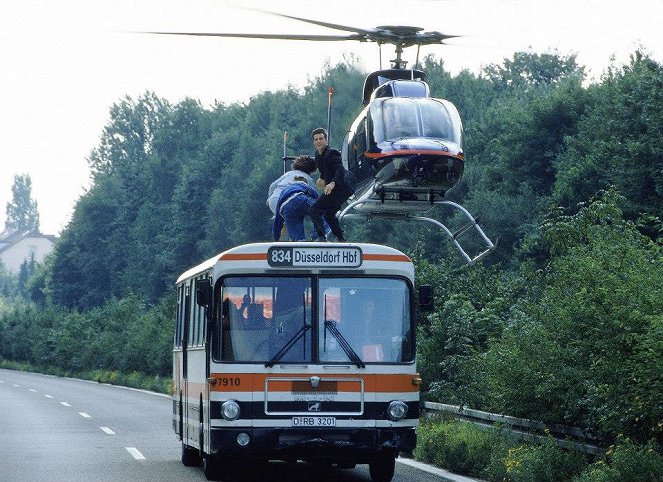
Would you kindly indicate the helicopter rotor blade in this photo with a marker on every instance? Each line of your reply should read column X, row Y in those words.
column 321, row 38
column 401, row 36
column 333, row 26
column 393, row 34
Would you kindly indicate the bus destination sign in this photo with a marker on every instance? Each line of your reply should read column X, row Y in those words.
column 305, row 257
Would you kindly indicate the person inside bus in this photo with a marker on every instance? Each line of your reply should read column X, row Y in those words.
column 366, row 336
column 228, row 310
column 289, row 319
column 332, row 180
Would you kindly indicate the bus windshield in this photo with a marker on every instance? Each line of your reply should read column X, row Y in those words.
column 347, row 320
column 364, row 317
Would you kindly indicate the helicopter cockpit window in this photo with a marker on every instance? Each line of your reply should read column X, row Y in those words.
column 400, row 117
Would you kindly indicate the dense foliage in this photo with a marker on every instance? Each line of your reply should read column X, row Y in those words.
column 563, row 323
column 495, row 455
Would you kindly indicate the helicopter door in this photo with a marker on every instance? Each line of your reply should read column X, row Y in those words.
column 354, row 146
column 360, row 141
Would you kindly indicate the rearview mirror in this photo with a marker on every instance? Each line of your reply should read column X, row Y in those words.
column 203, row 292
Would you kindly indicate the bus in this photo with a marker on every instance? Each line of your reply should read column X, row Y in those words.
column 297, row 352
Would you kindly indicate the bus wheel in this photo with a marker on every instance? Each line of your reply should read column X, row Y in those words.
column 382, row 468
column 212, row 467
column 190, row 457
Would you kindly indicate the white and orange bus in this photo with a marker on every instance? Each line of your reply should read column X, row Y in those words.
column 297, row 351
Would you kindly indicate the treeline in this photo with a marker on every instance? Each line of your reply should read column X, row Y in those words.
column 562, row 323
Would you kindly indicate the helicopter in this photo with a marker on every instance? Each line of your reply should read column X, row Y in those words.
column 404, row 151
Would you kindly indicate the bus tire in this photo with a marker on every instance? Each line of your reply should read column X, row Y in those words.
column 190, row 457
column 382, row 468
column 212, row 467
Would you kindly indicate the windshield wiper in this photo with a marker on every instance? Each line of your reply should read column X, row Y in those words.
column 291, row 342
column 352, row 355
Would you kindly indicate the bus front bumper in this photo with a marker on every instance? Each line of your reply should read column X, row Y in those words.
column 357, row 445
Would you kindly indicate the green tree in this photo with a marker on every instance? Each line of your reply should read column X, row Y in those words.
column 589, row 352
column 619, row 141
column 22, row 212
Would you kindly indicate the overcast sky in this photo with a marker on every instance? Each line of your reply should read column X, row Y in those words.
column 63, row 63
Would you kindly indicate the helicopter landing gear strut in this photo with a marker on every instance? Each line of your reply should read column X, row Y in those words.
column 472, row 223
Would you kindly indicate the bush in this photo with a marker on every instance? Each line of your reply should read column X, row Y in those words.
column 626, row 461
column 455, row 445
column 535, row 463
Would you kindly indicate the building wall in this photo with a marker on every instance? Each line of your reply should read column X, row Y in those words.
column 14, row 256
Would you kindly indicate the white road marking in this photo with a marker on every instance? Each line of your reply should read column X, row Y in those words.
column 84, row 415
column 14, row 385
column 32, row 390
column 48, row 396
column 135, row 453
column 65, row 404
column 107, row 430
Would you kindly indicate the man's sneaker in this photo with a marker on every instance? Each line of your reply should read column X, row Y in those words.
column 320, row 239
column 341, row 239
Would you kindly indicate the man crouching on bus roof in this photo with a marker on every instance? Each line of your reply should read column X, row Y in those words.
column 294, row 203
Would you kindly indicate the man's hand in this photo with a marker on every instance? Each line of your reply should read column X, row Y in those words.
column 320, row 183
column 329, row 187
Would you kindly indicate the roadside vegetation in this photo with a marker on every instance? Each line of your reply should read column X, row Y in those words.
column 494, row 455
column 563, row 323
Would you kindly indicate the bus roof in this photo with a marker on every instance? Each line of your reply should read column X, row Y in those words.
column 306, row 257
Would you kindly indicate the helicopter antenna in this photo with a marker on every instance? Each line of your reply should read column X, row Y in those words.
column 416, row 62
column 330, row 95
column 285, row 142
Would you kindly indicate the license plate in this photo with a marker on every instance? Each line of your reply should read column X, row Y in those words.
column 314, row 421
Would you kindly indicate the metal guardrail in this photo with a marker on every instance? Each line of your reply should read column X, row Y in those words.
column 568, row 437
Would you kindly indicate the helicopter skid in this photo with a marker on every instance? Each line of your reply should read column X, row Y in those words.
column 367, row 209
column 396, row 200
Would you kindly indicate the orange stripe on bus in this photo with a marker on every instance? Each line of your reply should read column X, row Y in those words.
column 255, row 382
column 243, row 257
column 386, row 257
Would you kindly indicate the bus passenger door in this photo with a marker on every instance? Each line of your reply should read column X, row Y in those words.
column 184, row 394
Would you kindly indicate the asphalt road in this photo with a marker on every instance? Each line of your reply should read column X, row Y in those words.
column 61, row 429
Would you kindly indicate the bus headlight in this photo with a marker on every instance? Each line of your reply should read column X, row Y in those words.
column 396, row 410
column 243, row 439
column 230, row 410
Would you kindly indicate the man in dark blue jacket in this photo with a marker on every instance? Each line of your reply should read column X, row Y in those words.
column 336, row 191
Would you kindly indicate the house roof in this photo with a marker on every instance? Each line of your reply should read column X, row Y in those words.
column 9, row 237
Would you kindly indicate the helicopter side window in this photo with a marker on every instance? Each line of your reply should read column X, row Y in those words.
column 360, row 139
column 370, row 132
